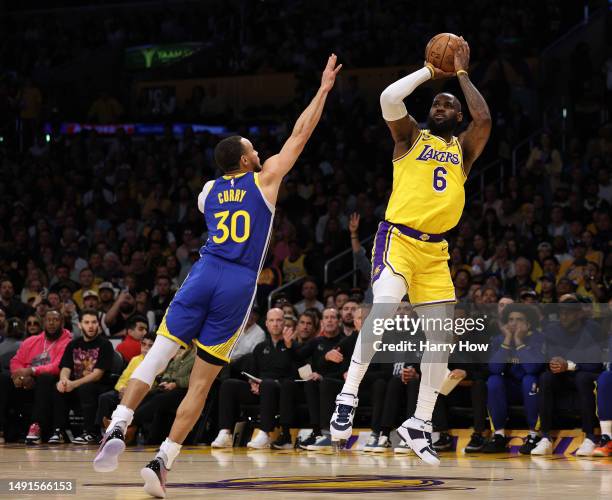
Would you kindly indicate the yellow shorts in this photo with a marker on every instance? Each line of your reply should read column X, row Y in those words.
column 422, row 265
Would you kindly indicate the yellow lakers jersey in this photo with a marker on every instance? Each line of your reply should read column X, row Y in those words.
column 428, row 193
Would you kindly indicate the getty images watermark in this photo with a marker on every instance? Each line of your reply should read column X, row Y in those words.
column 405, row 325
column 510, row 333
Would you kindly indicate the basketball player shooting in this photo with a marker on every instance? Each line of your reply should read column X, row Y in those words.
column 430, row 167
column 211, row 308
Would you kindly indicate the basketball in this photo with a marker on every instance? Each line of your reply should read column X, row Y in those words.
column 440, row 51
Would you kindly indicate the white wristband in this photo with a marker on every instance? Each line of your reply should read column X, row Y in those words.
column 571, row 366
column 392, row 98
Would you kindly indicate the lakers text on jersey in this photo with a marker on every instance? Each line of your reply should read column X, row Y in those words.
column 428, row 185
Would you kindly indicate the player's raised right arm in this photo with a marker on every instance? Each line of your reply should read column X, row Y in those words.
column 277, row 166
column 404, row 128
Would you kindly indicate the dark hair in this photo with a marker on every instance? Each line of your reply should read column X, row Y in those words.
column 150, row 336
column 342, row 292
column 137, row 318
column 88, row 312
column 526, row 310
column 228, row 153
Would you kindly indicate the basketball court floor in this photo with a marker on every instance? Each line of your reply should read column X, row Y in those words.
column 239, row 473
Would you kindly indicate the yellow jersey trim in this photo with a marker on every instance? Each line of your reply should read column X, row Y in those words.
column 256, row 179
column 173, row 338
column 211, row 352
column 236, row 176
column 411, row 147
column 461, row 151
column 164, row 332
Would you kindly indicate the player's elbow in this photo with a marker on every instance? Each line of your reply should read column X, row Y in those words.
column 387, row 97
column 483, row 119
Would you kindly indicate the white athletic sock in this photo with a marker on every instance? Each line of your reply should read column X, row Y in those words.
column 533, row 433
column 354, row 377
column 606, row 427
column 426, row 402
column 501, row 432
column 168, row 451
column 122, row 417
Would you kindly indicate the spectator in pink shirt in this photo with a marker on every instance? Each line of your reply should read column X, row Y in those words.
column 35, row 370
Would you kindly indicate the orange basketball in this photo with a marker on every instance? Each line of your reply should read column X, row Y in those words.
column 440, row 51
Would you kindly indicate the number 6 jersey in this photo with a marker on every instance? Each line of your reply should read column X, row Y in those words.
column 428, row 193
column 239, row 219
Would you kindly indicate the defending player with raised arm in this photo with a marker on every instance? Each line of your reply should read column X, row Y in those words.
column 410, row 254
column 212, row 306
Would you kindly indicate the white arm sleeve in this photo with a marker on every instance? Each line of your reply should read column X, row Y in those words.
column 202, row 196
column 392, row 98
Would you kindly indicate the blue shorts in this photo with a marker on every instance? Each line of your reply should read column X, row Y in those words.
column 211, row 308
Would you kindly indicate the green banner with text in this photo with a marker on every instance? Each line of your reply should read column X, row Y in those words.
column 154, row 56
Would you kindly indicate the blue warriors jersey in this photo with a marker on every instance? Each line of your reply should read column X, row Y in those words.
column 239, row 219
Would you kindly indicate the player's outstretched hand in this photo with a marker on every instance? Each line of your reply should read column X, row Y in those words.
column 438, row 74
column 462, row 55
column 329, row 73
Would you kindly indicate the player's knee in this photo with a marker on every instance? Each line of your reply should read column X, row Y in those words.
column 530, row 383
column 495, row 383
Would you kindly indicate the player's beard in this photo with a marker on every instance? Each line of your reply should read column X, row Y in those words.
column 441, row 128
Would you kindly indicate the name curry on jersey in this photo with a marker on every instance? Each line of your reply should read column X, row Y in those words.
column 234, row 195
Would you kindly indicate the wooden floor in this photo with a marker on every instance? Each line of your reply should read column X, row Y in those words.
column 205, row 473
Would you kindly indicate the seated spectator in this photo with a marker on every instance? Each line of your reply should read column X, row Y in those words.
column 371, row 390
column 468, row 369
column 515, row 363
column 86, row 282
column 314, row 352
column 12, row 337
column 158, row 409
column 272, row 363
column 309, row 294
column 84, row 375
column 307, row 327
column 12, row 307
column 294, row 264
column 115, row 320
column 3, row 323
column 162, row 298
column 252, row 336
column 347, row 320
column 34, row 372
column 33, row 325
column 106, row 294
column 521, row 278
column 574, row 336
column 91, row 300
column 108, row 401
column 136, row 328
column 341, row 297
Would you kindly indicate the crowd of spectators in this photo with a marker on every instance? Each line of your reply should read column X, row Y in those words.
column 110, row 226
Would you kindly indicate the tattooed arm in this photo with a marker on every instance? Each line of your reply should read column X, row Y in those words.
column 474, row 139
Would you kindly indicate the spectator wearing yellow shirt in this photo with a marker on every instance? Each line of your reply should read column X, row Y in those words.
column 293, row 264
column 87, row 282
